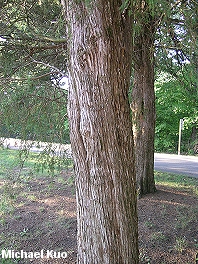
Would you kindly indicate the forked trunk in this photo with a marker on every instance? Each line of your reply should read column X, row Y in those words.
column 101, row 132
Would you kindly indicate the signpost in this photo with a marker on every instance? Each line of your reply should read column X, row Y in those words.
column 181, row 123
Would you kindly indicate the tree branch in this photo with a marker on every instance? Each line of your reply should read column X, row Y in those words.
column 11, row 79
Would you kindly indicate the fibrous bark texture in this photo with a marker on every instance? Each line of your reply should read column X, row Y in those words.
column 101, row 132
column 143, row 108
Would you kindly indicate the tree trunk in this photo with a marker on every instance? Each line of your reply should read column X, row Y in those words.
column 101, row 132
column 143, row 108
column 194, row 139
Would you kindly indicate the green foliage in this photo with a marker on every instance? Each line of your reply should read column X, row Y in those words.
column 125, row 4
column 32, row 103
column 34, row 54
column 176, row 83
column 50, row 162
column 36, row 112
column 176, row 37
column 33, row 30
column 174, row 101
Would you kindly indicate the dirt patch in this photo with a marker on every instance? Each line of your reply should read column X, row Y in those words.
column 44, row 217
column 168, row 227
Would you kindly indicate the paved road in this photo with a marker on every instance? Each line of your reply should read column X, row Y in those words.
column 186, row 165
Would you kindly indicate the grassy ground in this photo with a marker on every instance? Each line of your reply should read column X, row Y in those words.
column 168, row 221
column 38, row 211
column 176, row 181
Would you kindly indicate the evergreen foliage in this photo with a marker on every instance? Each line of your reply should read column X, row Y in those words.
column 33, row 62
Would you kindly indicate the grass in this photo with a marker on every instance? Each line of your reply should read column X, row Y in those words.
column 41, row 163
column 181, row 182
column 18, row 167
column 158, row 237
column 15, row 182
column 180, row 244
column 8, row 261
column 24, row 178
column 7, row 161
column 185, row 217
column 143, row 257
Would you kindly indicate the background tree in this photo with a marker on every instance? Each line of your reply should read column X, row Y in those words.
column 101, row 131
column 162, row 27
column 143, row 98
